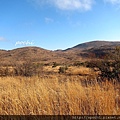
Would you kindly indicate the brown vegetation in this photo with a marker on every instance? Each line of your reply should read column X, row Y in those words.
column 35, row 81
column 57, row 96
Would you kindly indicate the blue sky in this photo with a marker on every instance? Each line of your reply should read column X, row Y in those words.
column 57, row 24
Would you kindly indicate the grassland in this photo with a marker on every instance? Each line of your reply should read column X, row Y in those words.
column 58, row 94
column 76, row 81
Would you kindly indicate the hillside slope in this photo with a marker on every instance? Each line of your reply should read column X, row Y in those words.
column 77, row 53
column 94, row 44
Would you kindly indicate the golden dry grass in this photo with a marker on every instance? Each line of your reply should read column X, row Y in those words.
column 72, row 70
column 80, row 71
column 54, row 96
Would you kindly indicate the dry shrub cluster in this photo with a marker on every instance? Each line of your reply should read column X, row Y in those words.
column 27, row 68
column 52, row 96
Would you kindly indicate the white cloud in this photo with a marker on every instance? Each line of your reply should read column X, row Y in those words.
column 67, row 4
column 114, row 2
column 2, row 39
column 73, row 4
column 49, row 20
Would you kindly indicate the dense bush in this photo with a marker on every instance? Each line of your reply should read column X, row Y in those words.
column 109, row 67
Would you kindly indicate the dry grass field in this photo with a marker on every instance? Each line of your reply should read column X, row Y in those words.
column 57, row 95
column 60, row 89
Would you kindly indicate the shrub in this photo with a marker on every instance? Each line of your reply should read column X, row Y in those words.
column 55, row 64
column 78, row 63
column 63, row 69
column 28, row 69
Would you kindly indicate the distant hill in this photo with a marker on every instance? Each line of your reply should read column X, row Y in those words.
column 35, row 54
column 94, row 44
column 77, row 53
column 93, row 49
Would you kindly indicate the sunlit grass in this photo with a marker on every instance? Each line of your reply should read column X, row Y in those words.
column 54, row 96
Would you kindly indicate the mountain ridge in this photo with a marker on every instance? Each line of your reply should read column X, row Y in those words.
column 76, row 53
column 94, row 44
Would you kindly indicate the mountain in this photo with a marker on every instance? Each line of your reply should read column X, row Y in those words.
column 93, row 49
column 77, row 53
column 94, row 44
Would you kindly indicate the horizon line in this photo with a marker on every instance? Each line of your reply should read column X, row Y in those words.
column 60, row 48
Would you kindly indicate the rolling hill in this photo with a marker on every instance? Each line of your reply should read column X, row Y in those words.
column 94, row 44
column 77, row 53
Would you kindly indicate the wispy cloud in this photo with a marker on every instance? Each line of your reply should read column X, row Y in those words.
column 114, row 2
column 67, row 4
column 73, row 4
column 2, row 38
column 49, row 20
